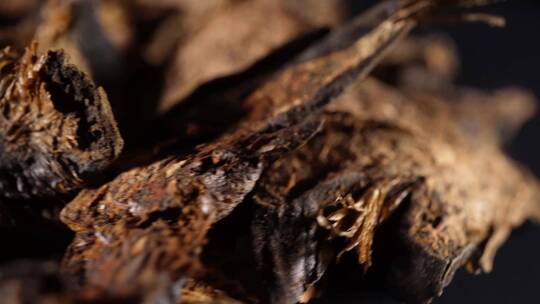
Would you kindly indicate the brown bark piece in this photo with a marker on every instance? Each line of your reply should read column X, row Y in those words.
column 150, row 223
column 426, row 160
column 234, row 38
column 462, row 211
column 196, row 41
column 406, row 174
column 378, row 149
column 170, row 205
column 57, row 129
column 112, row 57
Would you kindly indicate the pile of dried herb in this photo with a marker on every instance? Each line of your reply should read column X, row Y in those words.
column 236, row 151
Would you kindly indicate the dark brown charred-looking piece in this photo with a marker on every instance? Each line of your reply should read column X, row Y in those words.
column 150, row 223
column 56, row 127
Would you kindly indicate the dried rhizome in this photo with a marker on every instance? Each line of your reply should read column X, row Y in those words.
column 254, row 159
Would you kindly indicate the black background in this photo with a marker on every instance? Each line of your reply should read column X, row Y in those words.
column 492, row 58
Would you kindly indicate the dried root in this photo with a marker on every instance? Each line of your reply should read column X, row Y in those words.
column 290, row 164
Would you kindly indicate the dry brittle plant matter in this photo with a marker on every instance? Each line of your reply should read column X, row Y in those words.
column 265, row 142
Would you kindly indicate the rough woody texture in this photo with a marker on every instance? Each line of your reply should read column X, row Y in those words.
column 380, row 149
column 456, row 215
column 279, row 160
column 236, row 37
column 383, row 154
column 153, row 237
column 56, row 127
column 150, row 223
column 151, row 55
